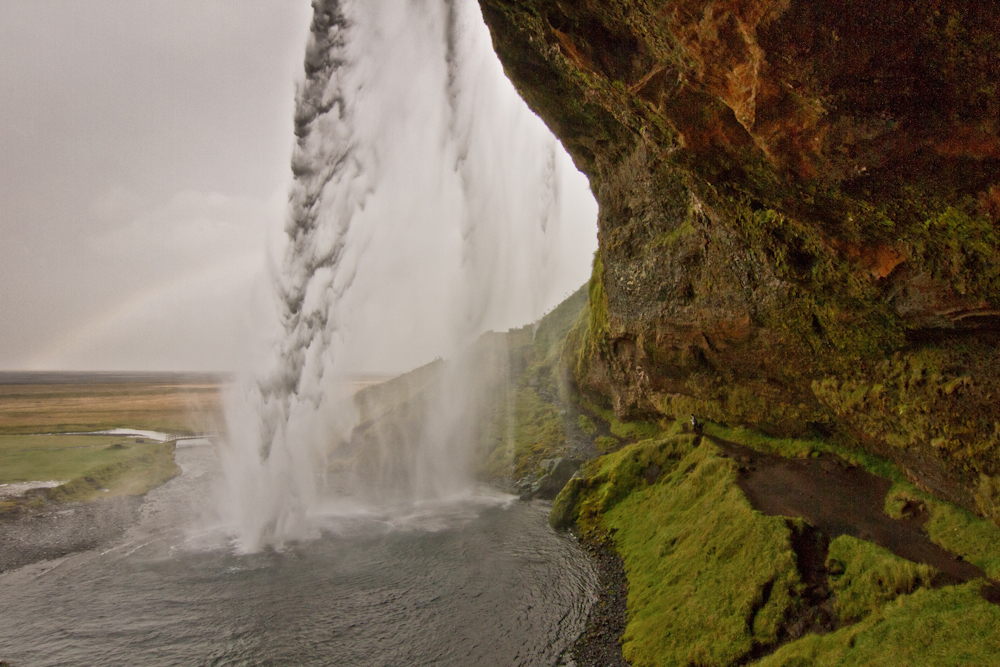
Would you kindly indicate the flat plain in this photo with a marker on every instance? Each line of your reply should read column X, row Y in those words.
column 175, row 404
column 38, row 411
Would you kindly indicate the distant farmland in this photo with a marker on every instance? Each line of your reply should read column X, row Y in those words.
column 68, row 402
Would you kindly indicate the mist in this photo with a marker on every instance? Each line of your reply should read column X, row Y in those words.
column 429, row 205
column 144, row 157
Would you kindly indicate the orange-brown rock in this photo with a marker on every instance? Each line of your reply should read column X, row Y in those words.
column 798, row 212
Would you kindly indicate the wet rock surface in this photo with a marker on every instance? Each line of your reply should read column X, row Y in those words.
column 799, row 225
column 600, row 643
column 57, row 530
column 835, row 499
column 554, row 475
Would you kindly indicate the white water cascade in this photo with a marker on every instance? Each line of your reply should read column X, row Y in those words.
column 428, row 205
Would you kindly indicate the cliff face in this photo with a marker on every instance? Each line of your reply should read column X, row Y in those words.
column 799, row 205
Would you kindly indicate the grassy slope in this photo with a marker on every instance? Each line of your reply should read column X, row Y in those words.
column 864, row 577
column 530, row 421
column 710, row 579
column 88, row 464
column 952, row 626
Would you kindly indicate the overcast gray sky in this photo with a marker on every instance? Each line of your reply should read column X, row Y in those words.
column 144, row 151
column 144, row 170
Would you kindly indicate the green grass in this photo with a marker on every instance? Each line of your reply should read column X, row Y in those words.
column 709, row 578
column 606, row 443
column 864, row 577
column 28, row 458
column 87, row 465
column 950, row 627
column 957, row 530
column 802, row 448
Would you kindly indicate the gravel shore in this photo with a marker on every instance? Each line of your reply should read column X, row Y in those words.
column 53, row 531
column 599, row 644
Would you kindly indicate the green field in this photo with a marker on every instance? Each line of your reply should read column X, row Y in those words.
column 27, row 458
column 90, row 467
column 93, row 467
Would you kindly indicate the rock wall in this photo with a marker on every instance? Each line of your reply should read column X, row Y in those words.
column 799, row 205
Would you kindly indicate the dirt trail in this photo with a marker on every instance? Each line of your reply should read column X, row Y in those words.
column 840, row 499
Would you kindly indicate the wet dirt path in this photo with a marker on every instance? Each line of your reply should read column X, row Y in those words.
column 839, row 499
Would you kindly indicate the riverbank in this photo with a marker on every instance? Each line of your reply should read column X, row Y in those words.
column 103, row 478
column 56, row 530
column 599, row 645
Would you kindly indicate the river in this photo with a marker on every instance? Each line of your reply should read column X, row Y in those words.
column 482, row 582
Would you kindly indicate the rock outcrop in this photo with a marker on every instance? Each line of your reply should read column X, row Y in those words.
column 799, row 205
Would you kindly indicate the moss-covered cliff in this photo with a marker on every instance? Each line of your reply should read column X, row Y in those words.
column 799, row 204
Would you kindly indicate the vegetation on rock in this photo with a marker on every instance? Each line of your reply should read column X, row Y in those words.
column 799, row 210
column 714, row 582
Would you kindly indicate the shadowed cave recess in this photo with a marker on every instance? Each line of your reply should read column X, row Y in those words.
column 798, row 215
column 799, row 245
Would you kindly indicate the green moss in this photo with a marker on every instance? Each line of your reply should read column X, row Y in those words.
column 627, row 430
column 563, row 515
column 987, row 497
column 594, row 337
column 635, row 430
column 538, row 430
column 709, row 578
column 672, row 238
column 528, row 421
column 917, row 397
column 586, row 424
column 606, row 443
column 700, row 563
column 832, row 304
column 864, row 577
column 957, row 530
column 788, row 447
column 960, row 247
column 803, row 448
column 950, row 627
column 613, row 476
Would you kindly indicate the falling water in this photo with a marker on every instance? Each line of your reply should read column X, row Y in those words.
column 428, row 205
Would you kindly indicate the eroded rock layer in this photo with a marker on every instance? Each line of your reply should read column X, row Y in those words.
column 799, row 205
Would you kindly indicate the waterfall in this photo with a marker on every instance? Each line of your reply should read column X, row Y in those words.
column 428, row 205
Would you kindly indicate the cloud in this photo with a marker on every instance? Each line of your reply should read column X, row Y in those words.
column 178, row 286
column 192, row 229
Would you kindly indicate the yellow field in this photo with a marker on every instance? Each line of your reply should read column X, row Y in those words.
column 61, row 408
